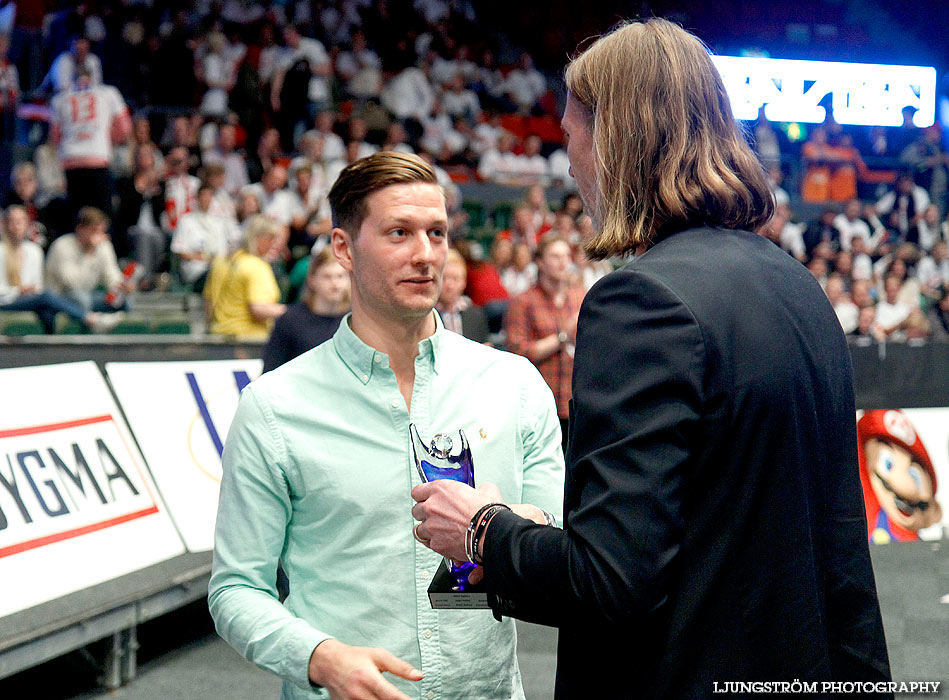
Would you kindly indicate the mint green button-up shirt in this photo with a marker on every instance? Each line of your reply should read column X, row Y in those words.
column 318, row 473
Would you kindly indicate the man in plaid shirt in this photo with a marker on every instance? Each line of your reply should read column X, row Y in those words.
column 541, row 323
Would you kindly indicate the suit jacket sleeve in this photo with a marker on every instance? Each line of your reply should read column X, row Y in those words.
column 637, row 400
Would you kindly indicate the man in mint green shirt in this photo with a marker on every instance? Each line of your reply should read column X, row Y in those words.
column 318, row 471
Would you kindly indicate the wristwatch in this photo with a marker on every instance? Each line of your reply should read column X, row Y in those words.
column 563, row 337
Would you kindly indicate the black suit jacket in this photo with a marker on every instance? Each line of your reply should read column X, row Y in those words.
column 714, row 524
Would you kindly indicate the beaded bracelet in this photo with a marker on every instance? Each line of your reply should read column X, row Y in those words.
column 477, row 527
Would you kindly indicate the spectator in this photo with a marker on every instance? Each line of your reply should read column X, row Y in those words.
column 180, row 131
column 457, row 311
column 933, row 271
column 847, row 312
column 241, row 294
column 200, row 238
column 891, row 313
column 270, row 53
column 766, row 141
column 408, row 96
column 222, row 204
column 489, row 83
column 458, row 101
column 867, row 325
column 86, row 120
column 21, row 279
column 181, row 188
column 138, row 218
column 785, row 233
column 862, row 264
column 541, row 323
column 928, row 160
column 225, row 153
column 439, row 136
column 358, row 131
column 566, row 227
column 83, row 267
column 904, row 135
column 843, row 266
column 334, row 148
column 821, row 231
column 861, row 293
column 486, row 133
column 899, row 266
column 534, row 168
column 275, row 201
column 397, row 139
column 9, row 98
column 268, row 153
column 50, row 178
column 360, row 69
column 501, row 164
column 69, row 64
column 524, row 228
column 521, row 274
column 927, row 229
column 775, row 179
column 24, row 193
column 907, row 201
column 217, row 74
column 123, row 154
column 310, row 213
column 315, row 318
column 849, row 224
column 535, row 200
column 589, row 272
column 939, row 317
column 819, row 158
column 484, row 287
column 524, row 85
column 301, row 83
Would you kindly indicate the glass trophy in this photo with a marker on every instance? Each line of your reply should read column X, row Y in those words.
column 435, row 461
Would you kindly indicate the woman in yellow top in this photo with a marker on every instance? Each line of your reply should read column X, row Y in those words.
column 242, row 295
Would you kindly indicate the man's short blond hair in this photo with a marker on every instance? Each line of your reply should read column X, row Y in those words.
column 371, row 174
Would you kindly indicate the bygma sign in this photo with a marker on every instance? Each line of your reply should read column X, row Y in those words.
column 861, row 93
column 67, row 479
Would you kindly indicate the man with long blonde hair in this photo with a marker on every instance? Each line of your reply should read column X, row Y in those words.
column 714, row 533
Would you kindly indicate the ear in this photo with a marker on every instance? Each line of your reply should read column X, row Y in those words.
column 342, row 248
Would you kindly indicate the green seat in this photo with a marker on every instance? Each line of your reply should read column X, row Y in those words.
column 484, row 235
column 502, row 215
column 172, row 327
column 475, row 212
column 70, row 326
column 21, row 327
column 132, row 326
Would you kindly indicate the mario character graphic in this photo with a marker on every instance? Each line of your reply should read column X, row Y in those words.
column 898, row 478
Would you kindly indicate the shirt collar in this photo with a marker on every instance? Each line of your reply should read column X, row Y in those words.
column 361, row 358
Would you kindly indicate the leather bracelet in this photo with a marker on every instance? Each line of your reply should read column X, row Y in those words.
column 477, row 528
column 469, row 533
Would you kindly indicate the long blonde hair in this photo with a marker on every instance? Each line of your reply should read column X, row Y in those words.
column 668, row 153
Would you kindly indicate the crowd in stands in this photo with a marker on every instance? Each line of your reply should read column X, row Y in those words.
column 206, row 137
column 877, row 237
